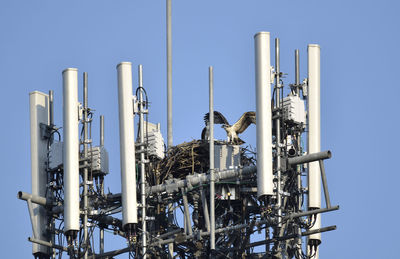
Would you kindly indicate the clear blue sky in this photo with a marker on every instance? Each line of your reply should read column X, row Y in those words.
column 359, row 96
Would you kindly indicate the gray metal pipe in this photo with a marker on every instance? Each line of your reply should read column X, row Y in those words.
column 169, row 74
column 205, row 209
column 85, row 164
column 31, row 215
column 113, row 253
column 297, row 71
column 207, row 233
column 297, row 66
column 306, row 233
column 310, row 212
column 310, row 158
column 40, row 201
column 319, row 230
column 278, row 132
column 101, row 130
column 51, row 106
column 169, row 102
column 34, row 198
column 101, row 234
column 48, row 244
column 174, row 185
column 212, row 177
column 325, row 184
column 256, row 224
column 142, row 162
column 188, row 225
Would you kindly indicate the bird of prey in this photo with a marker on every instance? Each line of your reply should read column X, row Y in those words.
column 232, row 131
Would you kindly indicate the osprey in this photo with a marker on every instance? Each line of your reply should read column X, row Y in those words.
column 232, row 131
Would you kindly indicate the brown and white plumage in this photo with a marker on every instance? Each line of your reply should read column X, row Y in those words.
column 232, row 131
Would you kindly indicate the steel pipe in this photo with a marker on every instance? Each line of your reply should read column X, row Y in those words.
column 310, row 158
column 297, row 71
column 174, row 185
column 48, row 244
column 278, row 131
column 34, row 198
column 169, row 74
column 212, row 176
column 142, row 162
column 85, row 163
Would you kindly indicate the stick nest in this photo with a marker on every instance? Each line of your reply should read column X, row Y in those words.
column 190, row 157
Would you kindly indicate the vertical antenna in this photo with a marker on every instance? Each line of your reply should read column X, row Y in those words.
column 85, row 164
column 169, row 108
column 71, row 152
column 102, row 130
column 169, row 74
column 297, row 71
column 212, row 180
column 142, row 162
column 314, row 140
column 263, row 114
column 51, row 106
column 51, row 114
column 39, row 114
column 127, row 146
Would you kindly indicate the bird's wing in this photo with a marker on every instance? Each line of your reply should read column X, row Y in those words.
column 218, row 118
column 244, row 121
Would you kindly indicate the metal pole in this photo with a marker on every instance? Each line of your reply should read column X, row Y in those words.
column 169, row 74
column 101, row 236
column 31, row 215
column 101, row 130
column 298, row 167
column 51, row 105
column 170, row 222
column 85, row 168
column 205, row 209
column 169, row 107
column 188, row 225
column 142, row 162
column 34, row 198
column 199, row 179
column 48, row 244
column 325, row 184
column 212, row 179
column 310, row 158
column 297, row 71
column 278, row 133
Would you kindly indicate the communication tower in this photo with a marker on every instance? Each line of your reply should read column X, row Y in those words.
column 200, row 199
